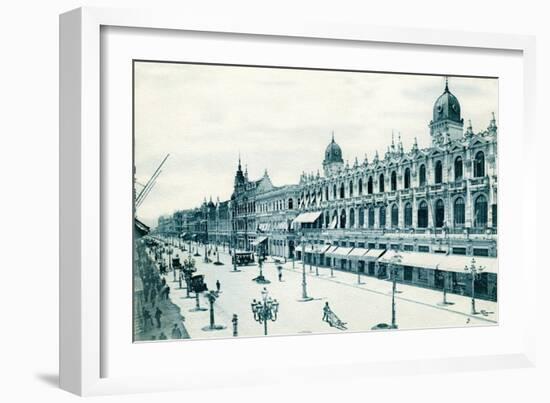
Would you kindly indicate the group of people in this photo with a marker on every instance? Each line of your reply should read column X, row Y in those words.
column 156, row 292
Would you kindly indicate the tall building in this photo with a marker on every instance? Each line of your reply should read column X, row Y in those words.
column 437, row 206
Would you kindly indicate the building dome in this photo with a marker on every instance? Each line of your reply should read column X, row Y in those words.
column 446, row 107
column 333, row 153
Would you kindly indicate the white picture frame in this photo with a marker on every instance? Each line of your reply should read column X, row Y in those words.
column 83, row 172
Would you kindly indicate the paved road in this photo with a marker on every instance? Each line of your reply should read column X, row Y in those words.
column 361, row 306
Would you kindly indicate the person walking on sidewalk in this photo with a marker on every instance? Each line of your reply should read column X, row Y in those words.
column 147, row 319
column 176, row 332
column 218, row 285
column 326, row 311
column 158, row 314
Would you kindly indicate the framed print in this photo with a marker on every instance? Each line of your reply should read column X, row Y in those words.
column 261, row 190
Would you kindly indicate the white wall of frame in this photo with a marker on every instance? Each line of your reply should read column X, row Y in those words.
column 29, row 157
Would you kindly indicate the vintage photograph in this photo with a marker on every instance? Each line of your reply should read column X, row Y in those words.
column 273, row 201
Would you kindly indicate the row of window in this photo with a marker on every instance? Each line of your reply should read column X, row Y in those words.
column 479, row 171
column 275, row 205
column 479, row 215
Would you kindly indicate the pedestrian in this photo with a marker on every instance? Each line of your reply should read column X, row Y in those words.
column 218, row 285
column 280, row 276
column 326, row 310
column 167, row 292
column 235, row 322
column 147, row 318
column 176, row 332
column 158, row 314
column 162, row 336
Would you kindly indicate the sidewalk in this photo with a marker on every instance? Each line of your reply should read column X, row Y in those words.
column 171, row 314
column 487, row 310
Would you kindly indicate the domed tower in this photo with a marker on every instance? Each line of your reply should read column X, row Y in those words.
column 333, row 161
column 447, row 125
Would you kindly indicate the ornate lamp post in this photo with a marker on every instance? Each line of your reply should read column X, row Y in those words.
column 265, row 310
column 211, row 296
column 305, row 297
column 261, row 279
column 475, row 271
column 395, row 261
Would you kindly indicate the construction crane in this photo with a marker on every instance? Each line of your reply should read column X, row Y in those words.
column 150, row 184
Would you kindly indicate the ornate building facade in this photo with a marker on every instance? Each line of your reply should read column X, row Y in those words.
column 436, row 207
column 438, row 201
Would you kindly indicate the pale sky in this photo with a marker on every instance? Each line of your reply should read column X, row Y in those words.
column 277, row 119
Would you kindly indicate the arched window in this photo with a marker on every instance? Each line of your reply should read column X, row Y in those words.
column 369, row 185
column 422, row 215
column 382, row 217
column 438, row 172
column 439, row 213
column 327, row 219
column 352, row 217
column 393, row 181
column 334, row 219
column 422, row 175
column 350, row 188
column 480, row 212
column 290, row 204
column 381, row 183
column 360, row 186
column 407, row 178
column 408, row 215
column 394, row 216
column 342, row 195
column 326, row 193
column 479, row 165
column 343, row 219
column 371, row 217
column 458, row 168
column 361, row 217
column 334, row 192
column 458, row 211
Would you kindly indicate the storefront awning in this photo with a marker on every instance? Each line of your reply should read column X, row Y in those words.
column 333, row 223
column 320, row 249
column 258, row 241
column 339, row 253
column 357, row 253
column 373, row 254
column 307, row 218
column 457, row 263
column 413, row 259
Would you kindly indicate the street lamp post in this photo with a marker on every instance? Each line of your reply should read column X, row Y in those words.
column 395, row 261
column 265, row 310
column 305, row 297
column 475, row 271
